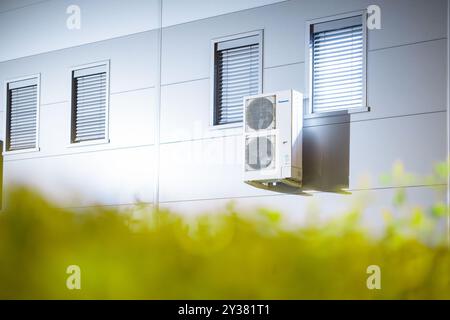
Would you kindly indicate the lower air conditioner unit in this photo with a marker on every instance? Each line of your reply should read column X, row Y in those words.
column 273, row 141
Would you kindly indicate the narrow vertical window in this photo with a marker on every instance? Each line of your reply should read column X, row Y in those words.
column 237, row 73
column 337, row 53
column 22, row 114
column 90, row 103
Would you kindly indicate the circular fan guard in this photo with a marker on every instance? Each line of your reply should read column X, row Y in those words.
column 259, row 113
column 263, row 147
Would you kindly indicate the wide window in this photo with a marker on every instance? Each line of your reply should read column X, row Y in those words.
column 337, row 62
column 22, row 116
column 90, row 103
column 237, row 73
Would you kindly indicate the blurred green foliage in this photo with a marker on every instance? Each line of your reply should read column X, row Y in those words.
column 141, row 254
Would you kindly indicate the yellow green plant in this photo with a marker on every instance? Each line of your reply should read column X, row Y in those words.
column 227, row 255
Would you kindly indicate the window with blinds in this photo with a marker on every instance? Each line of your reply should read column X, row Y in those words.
column 237, row 73
column 22, row 114
column 89, row 103
column 337, row 61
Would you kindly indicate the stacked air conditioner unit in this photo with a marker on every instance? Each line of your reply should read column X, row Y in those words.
column 273, row 140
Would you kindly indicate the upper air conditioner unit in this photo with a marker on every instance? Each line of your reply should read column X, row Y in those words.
column 273, row 140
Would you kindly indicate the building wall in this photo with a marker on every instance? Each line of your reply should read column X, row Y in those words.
column 200, row 167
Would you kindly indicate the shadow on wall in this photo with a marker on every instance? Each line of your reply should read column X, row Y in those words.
column 326, row 155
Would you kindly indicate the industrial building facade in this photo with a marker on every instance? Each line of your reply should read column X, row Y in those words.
column 124, row 106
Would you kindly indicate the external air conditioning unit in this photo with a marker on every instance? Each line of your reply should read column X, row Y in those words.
column 273, row 141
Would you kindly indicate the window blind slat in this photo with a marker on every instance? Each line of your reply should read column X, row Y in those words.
column 327, row 42
column 337, row 90
column 239, row 72
column 339, row 62
column 236, row 86
column 335, row 78
column 329, row 39
column 24, row 96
